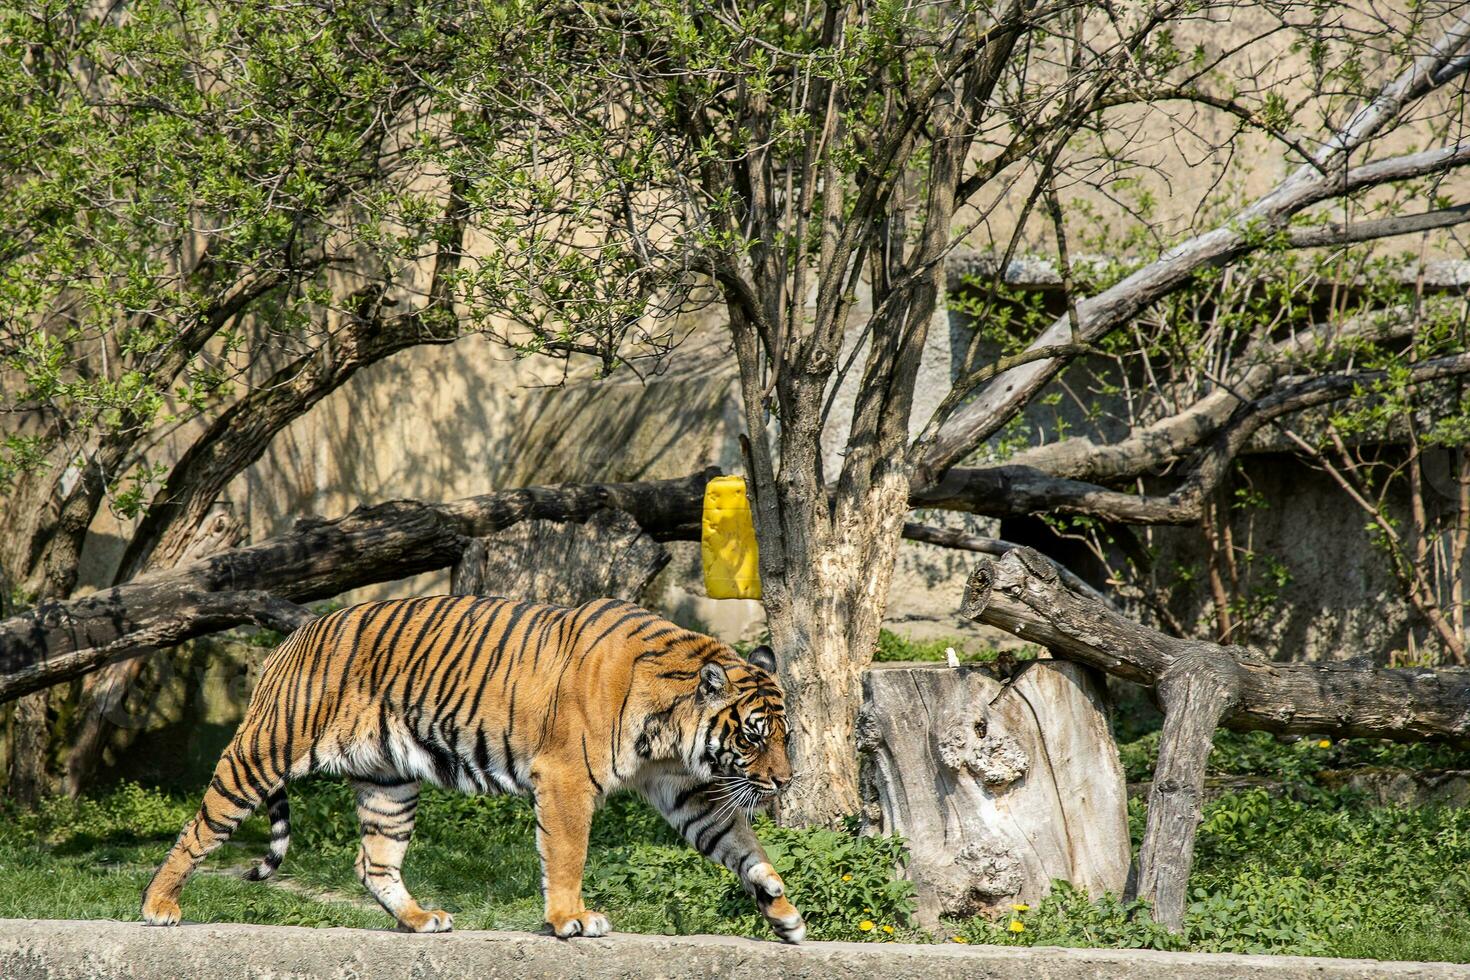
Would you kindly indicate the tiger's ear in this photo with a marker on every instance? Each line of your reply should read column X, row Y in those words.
column 712, row 680
column 764, row 658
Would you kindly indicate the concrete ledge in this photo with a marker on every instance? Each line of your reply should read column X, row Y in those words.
column 63, row 950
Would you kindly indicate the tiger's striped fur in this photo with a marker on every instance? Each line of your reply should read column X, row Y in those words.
column 490, row 696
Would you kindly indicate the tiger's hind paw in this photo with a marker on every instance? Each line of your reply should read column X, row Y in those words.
column 586, row 923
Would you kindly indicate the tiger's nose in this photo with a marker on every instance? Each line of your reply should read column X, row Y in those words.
column 780, row 782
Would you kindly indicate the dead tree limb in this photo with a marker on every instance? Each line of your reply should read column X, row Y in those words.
column 946, row 537
column 1204, row 685
column 317, row 559
column 1195, row 694
column 162, row 616
column 1013, row 488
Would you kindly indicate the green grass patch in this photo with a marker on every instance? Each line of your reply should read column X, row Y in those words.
column 1308, row 869
column 475, row 856
column 897, row 648
column 1304, row 869
column 1322, row 874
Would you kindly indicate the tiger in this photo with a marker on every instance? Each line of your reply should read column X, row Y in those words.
column 493, row 695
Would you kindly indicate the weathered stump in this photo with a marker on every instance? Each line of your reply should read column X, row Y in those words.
column 999, row 786
column 563, row 562
column 1202, row 686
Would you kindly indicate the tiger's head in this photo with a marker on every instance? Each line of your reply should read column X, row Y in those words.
column 742, row 743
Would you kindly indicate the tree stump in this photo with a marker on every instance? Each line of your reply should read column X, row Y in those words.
column 563, row 562
column 998, row 785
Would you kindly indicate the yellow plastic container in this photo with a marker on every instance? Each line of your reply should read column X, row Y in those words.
column 727, row 542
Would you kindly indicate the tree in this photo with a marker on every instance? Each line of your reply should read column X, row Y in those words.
column 206, row 218
column 325, row 188
column 784, row 158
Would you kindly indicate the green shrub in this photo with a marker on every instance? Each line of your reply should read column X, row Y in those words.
column 1068, row 917
column 894, row 647
column 839, row 879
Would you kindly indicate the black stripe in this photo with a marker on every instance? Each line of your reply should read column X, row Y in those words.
column 219, row 787
column 689, row 794
column 587, row 615
column 482, row 751
column 623, row 619
column 710, row 847
column 398, row 613
column 223, row 827
column 418, row 662
column 448, row 669
column 587, row 761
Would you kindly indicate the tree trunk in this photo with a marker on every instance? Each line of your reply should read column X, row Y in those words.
column 30, row 744
column 824, row 619
column 1196, row 692
column 105, row 690
column 1203, row 685
column 999, row 784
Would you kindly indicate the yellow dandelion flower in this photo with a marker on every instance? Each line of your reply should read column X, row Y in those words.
column 847, row 877
column 1324, row 744
column 888, row 929
column 1016, row 926
column 866, row 925
column 959, row 939
column 1020, row 908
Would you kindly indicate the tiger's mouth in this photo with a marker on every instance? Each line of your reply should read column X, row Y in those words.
column 740, row 792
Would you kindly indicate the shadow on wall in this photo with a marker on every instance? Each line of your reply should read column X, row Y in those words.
column 1312, row 585
column 448, row 422
column 183, row 710
column 440, row 423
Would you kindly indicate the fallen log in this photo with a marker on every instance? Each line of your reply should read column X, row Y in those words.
column 607, row 556
column 1202, row 686
column 317, row 559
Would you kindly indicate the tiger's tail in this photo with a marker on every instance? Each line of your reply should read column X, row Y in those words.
column 279, row 812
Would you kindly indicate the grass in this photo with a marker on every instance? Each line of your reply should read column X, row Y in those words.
column 475, row 856
column 896, row 648
column 1310, row 869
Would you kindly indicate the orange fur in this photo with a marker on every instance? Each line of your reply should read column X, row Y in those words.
column 492, row 695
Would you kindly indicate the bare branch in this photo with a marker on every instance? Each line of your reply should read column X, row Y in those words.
column 1252, row 228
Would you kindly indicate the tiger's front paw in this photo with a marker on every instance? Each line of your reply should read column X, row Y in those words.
column 770, row 898
column 160, row 912
column 423, row 921
column 584, row 923
column 785, row 920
